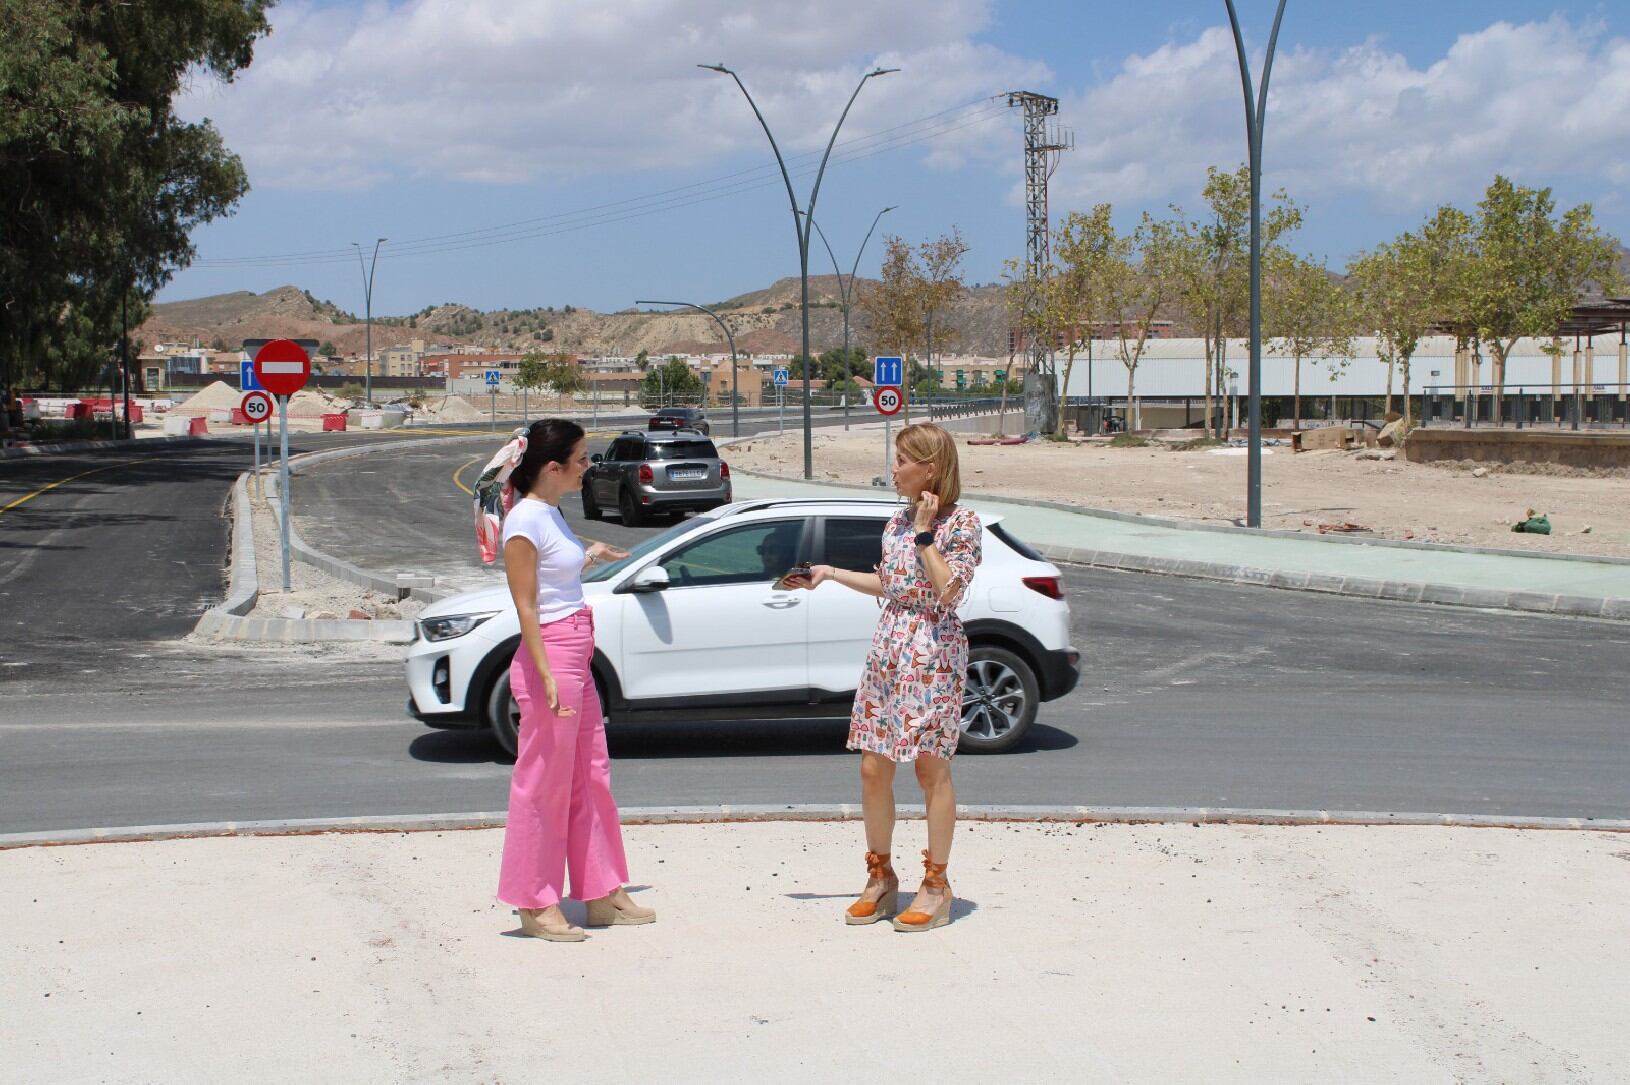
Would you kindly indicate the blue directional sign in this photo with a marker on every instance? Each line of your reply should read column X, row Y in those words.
column 246, row 377
column 493, row 377
column 888, row 371
column 780, row 378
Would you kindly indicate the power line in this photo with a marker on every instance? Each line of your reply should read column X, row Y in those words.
column 933, row 126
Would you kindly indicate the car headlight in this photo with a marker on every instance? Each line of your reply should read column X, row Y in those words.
column 453, row 625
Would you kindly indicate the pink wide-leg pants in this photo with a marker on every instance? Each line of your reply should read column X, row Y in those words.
column 561, row 813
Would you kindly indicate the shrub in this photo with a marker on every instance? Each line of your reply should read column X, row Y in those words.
column 1128, row 440
column 352, row 390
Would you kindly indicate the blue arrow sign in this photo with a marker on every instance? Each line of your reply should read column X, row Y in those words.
column 493, row 377
column 780, row 377
column 246, row 377
column 888, row 371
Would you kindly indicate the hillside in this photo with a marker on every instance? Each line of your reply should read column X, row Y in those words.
column 764, row 321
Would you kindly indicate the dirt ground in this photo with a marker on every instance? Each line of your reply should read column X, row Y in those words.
column 1444, row 503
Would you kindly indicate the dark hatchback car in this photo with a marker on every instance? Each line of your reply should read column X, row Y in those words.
column 647, row 474
column 675, row 418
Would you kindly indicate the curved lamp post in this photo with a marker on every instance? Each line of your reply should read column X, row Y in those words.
column 368, row 311
column 844, row 292
column 1256, row 109
column 735, row 416
column 801, row 228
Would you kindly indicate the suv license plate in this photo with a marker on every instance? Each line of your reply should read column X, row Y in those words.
column 687, row 474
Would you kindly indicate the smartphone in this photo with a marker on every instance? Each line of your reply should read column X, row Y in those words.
column 800, row 571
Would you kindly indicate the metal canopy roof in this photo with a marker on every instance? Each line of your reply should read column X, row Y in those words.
column 1595, row 316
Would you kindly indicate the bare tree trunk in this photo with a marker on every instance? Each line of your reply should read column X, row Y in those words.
column 1500, row 349
column 1001, row 414
column 1064, row 390
column 1407, row 413
column 1132, row 419
column 1209, row 352
column 1391, row 361
column 1296, row 395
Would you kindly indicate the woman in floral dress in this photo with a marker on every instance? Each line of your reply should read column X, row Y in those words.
column 909, row 705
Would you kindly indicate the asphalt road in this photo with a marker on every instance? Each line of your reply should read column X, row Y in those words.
column 1194, row 694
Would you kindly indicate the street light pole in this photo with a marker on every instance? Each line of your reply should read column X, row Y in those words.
column 802, row 229
column 1256, row 110
column 845, row 292
column 368, row 316
column 735, row 415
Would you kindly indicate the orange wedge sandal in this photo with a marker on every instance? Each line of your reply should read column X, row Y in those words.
column 864, row 912
column 912, row 921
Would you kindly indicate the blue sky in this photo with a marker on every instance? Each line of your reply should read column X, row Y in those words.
column 554, row 152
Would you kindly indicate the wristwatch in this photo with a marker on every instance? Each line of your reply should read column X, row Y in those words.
column 924, row 538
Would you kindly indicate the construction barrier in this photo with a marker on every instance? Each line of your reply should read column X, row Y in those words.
column 180, row 425
column 239, row 418
column 333, row 422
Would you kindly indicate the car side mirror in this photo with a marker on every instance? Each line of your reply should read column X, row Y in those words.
column 595, row 458
column 649, row 579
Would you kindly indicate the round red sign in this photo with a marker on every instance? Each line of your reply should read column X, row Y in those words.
column 256, row 406
column 888, row 400
column 282, row 367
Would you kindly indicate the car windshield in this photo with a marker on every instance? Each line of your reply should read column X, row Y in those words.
column 682, row 450
column 646, row 546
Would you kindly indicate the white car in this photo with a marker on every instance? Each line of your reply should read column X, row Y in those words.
column 691, row 626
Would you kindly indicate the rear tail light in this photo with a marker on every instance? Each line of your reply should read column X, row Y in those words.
column 647, row 476
column 724, row 471
column 1047, row 585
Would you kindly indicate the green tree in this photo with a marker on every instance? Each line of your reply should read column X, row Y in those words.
column 100, row 182
column 1531, row 266
column 938, row 287
column 328, row 350
column 1306, row 314
column 531, row 372
column 893, row 303
column 1216, row 266
column 1141, row 278
column 671, row 382
column 643, row 360
column 1071, row 298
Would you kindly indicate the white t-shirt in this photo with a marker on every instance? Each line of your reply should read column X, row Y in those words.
column 560, row 556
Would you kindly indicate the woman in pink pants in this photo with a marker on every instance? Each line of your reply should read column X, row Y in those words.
column 561, row 813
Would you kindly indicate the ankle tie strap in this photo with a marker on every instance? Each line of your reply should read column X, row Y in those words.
column 877, row 864
column 933, row 873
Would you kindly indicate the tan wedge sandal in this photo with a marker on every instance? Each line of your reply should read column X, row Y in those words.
column 912, row 921
column 533, row 926
column 610, row 912
column 864, row 912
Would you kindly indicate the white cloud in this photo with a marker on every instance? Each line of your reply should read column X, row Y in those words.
column 1536, row 101
column 511, row 90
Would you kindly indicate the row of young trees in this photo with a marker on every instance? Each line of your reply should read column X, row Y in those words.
column 1512, row 268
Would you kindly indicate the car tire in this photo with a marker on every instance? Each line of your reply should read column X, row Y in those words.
column 591, row 507
column 628, row 506
column 503, row 714
column 999, row 700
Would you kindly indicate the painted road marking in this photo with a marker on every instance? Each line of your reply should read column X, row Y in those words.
column 70, row 478
column 459, row 470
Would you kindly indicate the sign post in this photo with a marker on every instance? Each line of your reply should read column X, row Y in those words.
column 888, row 372
column 492, row 377
column 781, row 396
column 257, row 407
column 282, row 367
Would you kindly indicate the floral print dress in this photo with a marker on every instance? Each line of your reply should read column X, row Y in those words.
column 910, row 696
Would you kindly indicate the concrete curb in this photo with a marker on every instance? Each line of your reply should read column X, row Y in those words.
column 62, row 447
column 243, row 583
column 724, row 814
column 1407, row 591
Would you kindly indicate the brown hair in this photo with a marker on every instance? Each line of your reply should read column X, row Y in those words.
column 928, row 443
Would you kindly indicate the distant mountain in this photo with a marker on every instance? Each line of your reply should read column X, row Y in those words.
column 763, row 321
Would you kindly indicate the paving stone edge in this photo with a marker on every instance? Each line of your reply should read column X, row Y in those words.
column 728, row 813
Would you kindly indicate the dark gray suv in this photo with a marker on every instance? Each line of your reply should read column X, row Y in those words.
column 642, row 474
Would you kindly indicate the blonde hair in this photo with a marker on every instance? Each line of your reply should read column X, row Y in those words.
column 928, row 443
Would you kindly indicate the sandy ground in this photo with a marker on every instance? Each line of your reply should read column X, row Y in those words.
column 1092, row 953
column 1393, row 499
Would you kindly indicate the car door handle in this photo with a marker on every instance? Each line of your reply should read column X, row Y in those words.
column 781, row 604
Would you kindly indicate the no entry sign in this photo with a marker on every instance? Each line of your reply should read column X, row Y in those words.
column 282, row 367
column 256, row 406
column 888, row 400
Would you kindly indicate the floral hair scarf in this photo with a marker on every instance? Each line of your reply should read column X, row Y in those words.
column 494, row 494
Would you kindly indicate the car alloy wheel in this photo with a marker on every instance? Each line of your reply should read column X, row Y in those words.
column 999, row 700
column 503, row 714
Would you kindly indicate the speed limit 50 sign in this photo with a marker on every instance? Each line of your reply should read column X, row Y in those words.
column 256, row 406
column 888, row 400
